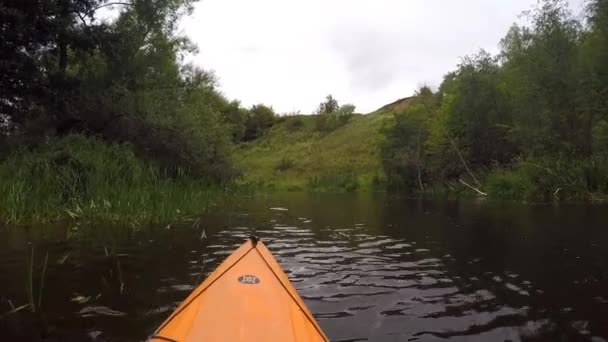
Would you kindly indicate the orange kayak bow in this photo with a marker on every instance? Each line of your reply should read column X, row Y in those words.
column 247, row 298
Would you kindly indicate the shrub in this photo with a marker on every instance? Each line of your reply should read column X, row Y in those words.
column 260, row 119
column 344, row 181
column 294, row 124
column 547, row 179
column 330, row 115
column 509, row 184
column 285, row 164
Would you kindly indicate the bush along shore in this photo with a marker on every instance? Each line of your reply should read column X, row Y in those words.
column 528, row 123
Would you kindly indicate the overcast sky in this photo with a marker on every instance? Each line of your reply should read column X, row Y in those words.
column 291, row 53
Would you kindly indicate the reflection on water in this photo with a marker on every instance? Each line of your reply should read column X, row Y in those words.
column 370, row 267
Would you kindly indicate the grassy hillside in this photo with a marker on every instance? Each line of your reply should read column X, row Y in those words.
column 293, row 155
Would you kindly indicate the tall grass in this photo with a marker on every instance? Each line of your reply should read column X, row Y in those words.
column 551, row 179
column 345, row 181
column 81, row 178
column 322, row 161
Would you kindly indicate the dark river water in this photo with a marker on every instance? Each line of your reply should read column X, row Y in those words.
column 370, row 267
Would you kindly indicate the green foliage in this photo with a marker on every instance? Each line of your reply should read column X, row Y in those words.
column 248, row 124
column 34, row 39
column 529, row 123
column 159, row 138
column 81, row 178
column 235, row 117
column 507, row 183
column 479, row 117
column 548, row 179
column 600, row 137
column 41, row 73
column 330, row 115
column 285, row 164
column 121, row 81
column 541, row 81
column 404, row 152
column 343, row 181
column 294, row 124
column 259, row 120
column 354, row 147
column 328, row 107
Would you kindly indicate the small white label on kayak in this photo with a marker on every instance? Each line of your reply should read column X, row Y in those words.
column 249, row 279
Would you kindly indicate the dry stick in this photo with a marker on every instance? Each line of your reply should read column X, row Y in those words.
column 119, row 268
column 30, row 283
column 418, row 163
column 557, row 192
column 448, row 184
column 463, row 162
column 14, row 310
column 41, row 288
column 473, row 188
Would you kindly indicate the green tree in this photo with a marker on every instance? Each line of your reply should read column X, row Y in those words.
column 329, row 106
column 330, row 115
column 479, row 117
column 236, row 118
column 45, row 45
column 404, row 153
column 532, row 120
column 540, row 73
column 124, row 81
column 260, row 119
column 593, row 85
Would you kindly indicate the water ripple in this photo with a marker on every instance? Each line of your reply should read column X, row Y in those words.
column 349, row 274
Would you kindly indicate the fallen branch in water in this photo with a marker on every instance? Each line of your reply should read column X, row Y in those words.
column 448, row 184
column 464, row 162
column 556, row 193
column 14, row 310
column 473, row 188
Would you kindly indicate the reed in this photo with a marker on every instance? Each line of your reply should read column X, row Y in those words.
column 30, row 282
column 84, row 179
column 42, row 277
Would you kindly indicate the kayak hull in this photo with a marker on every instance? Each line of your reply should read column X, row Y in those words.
column 247, row 298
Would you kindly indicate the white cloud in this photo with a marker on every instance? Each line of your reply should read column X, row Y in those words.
column 291, row 53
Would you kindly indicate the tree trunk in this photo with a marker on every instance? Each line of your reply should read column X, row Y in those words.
column 418, row 164
column 62, row 62
column 588, row 138
column 62, row 41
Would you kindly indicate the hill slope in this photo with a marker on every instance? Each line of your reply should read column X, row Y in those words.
column 294, row 155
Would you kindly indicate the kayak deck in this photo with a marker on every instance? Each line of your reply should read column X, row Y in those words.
column 247, row 298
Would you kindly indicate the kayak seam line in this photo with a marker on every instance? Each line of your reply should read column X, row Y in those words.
column 175, row 314
column 159, row 337
column 310, row 319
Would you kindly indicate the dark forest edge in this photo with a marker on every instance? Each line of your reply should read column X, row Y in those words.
column 103, row 120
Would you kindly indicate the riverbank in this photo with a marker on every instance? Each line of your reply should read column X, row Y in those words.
column 84, row 179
